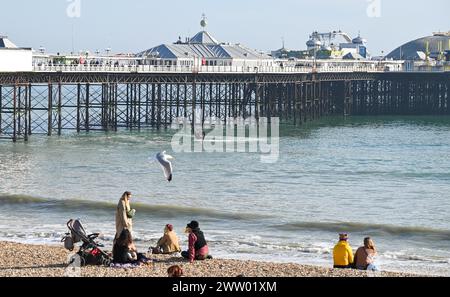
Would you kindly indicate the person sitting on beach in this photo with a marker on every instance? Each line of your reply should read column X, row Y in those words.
column 364, row 257
column 168, row 244
column 124, row 214
column 198, row 247
column 124, row 250
column 343, row 253
column 175, row 271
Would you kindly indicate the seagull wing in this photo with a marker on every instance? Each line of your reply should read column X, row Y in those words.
column 166, row 166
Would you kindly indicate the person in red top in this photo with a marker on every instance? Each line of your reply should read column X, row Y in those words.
column 198, row 247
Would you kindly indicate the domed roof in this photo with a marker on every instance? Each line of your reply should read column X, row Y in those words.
column 408, row 51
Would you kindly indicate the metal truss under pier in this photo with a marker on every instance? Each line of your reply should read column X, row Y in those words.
column 48, row 103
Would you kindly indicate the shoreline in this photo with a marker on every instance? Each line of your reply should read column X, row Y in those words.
column 31, row 260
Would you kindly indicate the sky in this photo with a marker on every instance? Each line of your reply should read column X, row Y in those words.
column 132, row 26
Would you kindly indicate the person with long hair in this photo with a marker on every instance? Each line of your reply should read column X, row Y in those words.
column 365, row 256
column 124, row 250
column 124, row 214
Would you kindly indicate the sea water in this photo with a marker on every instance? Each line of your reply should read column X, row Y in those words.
column 384, row 177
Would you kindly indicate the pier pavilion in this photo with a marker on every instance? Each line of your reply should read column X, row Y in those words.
column 204, row 50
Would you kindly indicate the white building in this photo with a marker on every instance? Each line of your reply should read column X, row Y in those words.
column 204, row 50
column 14, row 59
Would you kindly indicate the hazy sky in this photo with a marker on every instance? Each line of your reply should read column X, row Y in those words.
column 135, row 25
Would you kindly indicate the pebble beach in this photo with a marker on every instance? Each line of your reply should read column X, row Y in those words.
column 26, row 260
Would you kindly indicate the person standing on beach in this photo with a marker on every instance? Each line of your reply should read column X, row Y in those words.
column 365, row 256
column 343, row 253
column 124, row 214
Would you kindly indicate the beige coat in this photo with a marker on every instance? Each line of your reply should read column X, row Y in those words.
column 122, row 219
column 169, row 243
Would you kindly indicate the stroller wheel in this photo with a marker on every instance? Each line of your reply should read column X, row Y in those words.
column 83, row 262
column 106, row 262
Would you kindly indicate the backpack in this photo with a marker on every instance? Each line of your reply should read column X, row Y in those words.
column 68, row 242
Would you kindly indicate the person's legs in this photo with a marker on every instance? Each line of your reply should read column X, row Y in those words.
column 141, row 257
column 341, row 267
column 200, row 257
column 156, row 250
column 361, row 267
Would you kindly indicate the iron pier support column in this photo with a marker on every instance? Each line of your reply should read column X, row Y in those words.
column 30, row 107
column 59, row 108
column 26, row 111
column 78, row 108
column 1, row 108
column 194, row 99
column 50, row 110
column 87, row 106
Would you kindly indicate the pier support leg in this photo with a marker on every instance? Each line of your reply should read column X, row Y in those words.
column 25, row 114
column 1, row 109
column 87, row 106
column 194, row 99
column 257, row 100
column 178, row 100
column 50, row 110
column 59, row 110
column 14, row 138
column 159, row 111
column 78, row 127
column 153, row 105
column 29, row 132
column 139, row 107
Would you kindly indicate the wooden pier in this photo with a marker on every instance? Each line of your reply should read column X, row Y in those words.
column 49, row 103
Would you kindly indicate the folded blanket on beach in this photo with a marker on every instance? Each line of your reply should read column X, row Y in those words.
column 130, row 265
column 124, row 266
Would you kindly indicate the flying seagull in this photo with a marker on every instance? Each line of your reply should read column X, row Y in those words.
column 166, row 165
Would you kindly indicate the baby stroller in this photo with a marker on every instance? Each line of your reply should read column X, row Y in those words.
column 89, row 252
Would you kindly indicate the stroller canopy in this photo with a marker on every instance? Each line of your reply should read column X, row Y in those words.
column 77, row 231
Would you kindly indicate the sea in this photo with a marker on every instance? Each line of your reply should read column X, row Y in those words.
column 383, row 177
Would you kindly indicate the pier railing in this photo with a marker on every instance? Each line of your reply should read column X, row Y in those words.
column 208, row 69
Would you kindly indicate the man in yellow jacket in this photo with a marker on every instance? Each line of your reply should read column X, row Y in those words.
column 343, row 253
